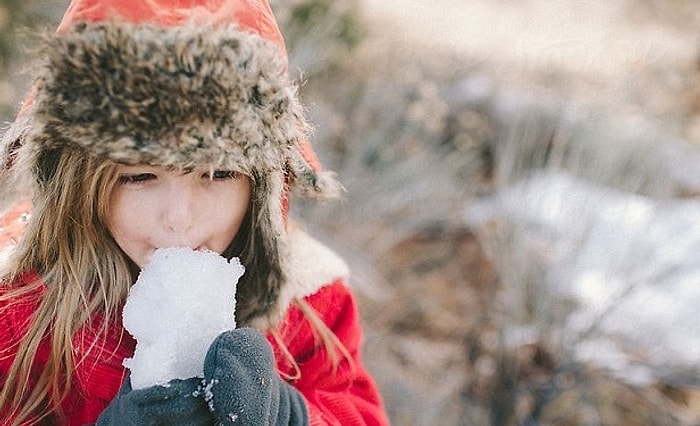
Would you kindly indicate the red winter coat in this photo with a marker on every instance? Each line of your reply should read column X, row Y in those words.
column 347, row 397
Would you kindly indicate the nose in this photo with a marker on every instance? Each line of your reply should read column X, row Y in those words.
column 179, row 211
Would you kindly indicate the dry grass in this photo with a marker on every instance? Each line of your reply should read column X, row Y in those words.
column 417, row 134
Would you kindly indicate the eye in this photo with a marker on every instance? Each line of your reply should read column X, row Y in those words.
column 223, row 175
column 136, row 178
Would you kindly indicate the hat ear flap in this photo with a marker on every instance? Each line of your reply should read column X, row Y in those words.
column 306, row 174
column 267, row 253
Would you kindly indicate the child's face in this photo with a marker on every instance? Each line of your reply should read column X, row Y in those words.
column 153, row 207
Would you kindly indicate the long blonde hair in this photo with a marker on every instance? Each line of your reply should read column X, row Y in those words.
column 67, row 243
column 84, row 272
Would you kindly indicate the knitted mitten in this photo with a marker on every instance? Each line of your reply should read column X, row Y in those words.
column 243, row 387
column 180, row 402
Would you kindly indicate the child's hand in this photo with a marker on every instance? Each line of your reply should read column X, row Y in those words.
column 243, row 387
column 181, row 402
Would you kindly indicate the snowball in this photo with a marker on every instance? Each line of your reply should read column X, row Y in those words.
column 180, row 302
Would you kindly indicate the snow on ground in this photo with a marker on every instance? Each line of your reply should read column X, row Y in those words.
column 630, row 264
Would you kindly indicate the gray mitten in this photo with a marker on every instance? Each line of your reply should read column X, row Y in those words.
column 243, row 387
column 181, row 402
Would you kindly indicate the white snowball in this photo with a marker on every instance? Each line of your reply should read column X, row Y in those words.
column 181, row 301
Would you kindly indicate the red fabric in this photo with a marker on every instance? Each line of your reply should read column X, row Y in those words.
column 99, row 372
column 347, row 397
column 254, row 15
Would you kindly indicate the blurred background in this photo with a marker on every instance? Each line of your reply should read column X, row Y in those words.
column 522, row 213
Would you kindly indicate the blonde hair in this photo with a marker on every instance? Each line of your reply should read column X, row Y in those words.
column 84, row 272
column 67, row 243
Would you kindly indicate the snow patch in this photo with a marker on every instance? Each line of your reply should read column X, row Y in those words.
column 630, row 264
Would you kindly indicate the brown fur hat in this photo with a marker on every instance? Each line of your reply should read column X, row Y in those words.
column 181, row 96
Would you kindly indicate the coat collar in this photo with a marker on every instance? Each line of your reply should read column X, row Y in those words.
column 312, row 265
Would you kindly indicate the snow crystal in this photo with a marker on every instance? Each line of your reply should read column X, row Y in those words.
column 209, row 395
column 180, row 302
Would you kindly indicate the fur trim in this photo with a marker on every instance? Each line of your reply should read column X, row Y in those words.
column 174, row 96
column 310, row 265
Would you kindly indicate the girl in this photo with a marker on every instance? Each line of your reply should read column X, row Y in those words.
column 170, row 123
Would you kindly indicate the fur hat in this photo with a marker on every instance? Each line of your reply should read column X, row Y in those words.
column 158, row 82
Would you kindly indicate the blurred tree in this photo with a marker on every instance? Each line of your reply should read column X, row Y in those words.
column 18, row 20
column 319, row 32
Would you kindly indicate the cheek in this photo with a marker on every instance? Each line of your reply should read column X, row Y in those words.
column 120, row 229
column 125, row 217
column 230, row 215
column 113, row 217
column 232, row 224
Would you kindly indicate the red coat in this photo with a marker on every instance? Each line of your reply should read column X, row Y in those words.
column 348, row 397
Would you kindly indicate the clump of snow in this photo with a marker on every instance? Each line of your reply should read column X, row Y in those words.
column 180, row 302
